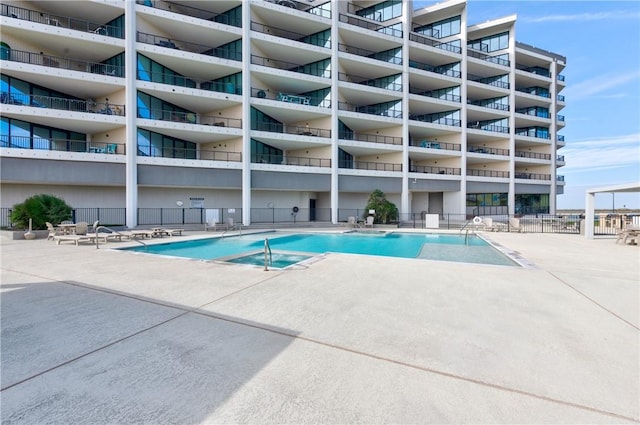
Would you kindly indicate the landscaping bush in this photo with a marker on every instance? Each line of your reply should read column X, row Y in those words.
column 40, row 209
column 386, row 211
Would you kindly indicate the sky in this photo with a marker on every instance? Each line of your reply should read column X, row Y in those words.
column 600, row 40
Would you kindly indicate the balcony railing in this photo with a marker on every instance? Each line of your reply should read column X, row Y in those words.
column 372, row 166
column 435, row 69
column 290, row 35
column 534, row 111
column 531, row 176
column 533, row 91
column 61, row 145
column 533, row 155
column 290, row 129
column 290, row 160
column 479, row 125
column 560, row 158
column 560, row 178
column 561, row 118
column 434, row 43
column 488, row 58
column 381, row 56
column 33, row 58
column 436, row 94
column 489, row 105
column 61, row 21
column 560, row 98
column 371, row 82
column 370, row 110
column 188, row 117
column 560, row 137
column 289, row 66
column 170, row 43
column 74, row 105
column 487, row 173
column 488, row 81
column 301, row 99
column 374, row 138
column 534, row 70
column 192, row 154
column 433, row 144
column 181, row 81
column 488, row 150
column 560, row 77
column 370, row 25
column 193, row 12
column 532, row 132
column 436, row 119
column 435, row 170
column 314, row 10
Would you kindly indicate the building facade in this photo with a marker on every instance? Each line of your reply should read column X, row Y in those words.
column 257, row 105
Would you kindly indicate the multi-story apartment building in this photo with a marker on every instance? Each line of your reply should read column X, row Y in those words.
column 264, row 104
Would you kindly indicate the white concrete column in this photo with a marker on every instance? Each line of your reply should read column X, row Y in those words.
column 407, row 10
column 131, row 132
column 246, row 113
column 511, row 195
column 589, row 214
column 334, row 187
column 554, row 137
column 462, row 201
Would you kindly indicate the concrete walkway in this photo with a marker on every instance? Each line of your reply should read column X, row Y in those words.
column 110, row 337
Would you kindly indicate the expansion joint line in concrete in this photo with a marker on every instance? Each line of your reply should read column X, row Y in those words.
column 595, row 302
column 183, row 310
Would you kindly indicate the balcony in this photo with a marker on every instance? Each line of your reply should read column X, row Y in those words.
column 374, row 138
column 189, row 47
column 560, row 98
column 291, row 129
column 370, row 110
column 194, row 12
column 61, row 145
column 320, row 10
column 533, row 155
column 188, row 117
column 536, row 91
column 33, row 58
column 383, row 56
column 436, row 118
column 436, row 94
column 479, row 125
column 487, row 173
column 60, row 103
column 296, row 99
column 429, row 144
column 534, row 70
column 487, row 150
column 434, row 43
column 488, row 58
column 370, row 25
column 531, row 176
column 435, row 170
column 533, row 132
column 290, row 35
column 490, row 81
column 372, row 166
column 488, row 104
column 380, row 83
column 290, row 160
column 61, row 21
column 198, row 154
column 289, row 66
column 441, row 70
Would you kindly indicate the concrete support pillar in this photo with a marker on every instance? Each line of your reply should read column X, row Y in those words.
column 131, row 134
column 589, row 203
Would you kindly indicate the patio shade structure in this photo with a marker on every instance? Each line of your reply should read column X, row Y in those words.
column 591, row 198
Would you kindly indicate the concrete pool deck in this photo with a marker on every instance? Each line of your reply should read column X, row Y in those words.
column 104, row 336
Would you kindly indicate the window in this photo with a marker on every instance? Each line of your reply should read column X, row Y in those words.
column 263, row 153
column 490, row 43
column 441, row 29
column 158, row 145
column 345, row 159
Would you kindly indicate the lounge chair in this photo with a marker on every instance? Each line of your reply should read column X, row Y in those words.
column 72, row 238
column 53, row 232
column 172, row 232
column 369, row 222
column 514, row 225
column 630, row 235
column 353, row 222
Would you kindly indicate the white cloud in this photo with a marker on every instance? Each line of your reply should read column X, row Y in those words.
column 602, row 153
column 599, row 84
column 618, row 14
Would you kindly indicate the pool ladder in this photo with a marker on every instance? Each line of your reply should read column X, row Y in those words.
column 466, row 234
column 268, row 257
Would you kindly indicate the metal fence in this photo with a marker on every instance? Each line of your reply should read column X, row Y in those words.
column 604, row 224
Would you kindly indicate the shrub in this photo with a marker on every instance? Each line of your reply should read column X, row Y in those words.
column 386, row 211
column 40, row 209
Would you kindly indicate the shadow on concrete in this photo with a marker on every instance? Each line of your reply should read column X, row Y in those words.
column 72, row 354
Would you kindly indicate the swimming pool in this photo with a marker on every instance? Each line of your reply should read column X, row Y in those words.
column 443, row 247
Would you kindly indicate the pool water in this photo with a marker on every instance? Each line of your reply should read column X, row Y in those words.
column 444, row 247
